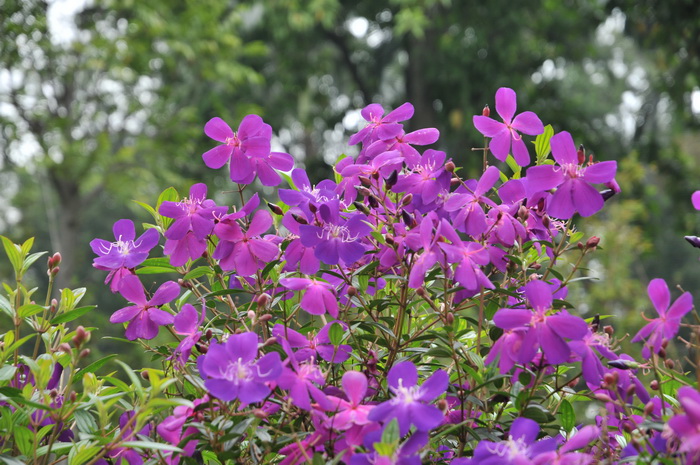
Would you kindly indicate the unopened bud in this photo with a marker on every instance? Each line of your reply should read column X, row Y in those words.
column 53, row 393
column 670, row 364
column 486, row 111
column 363, row 191
column 631, row 389
column 592, row 242
column 523, row 213
column 54, row 260
column 209, row 334
column 664, row 343
column 54, row 306
column 442, row 405
column 73, row 396
column 202, row 348
column 265, row 317
column 603, row 397
column 450, row 167
column 654, row 385
column 607, row 194
column 65, row 348
column 609, row 330
column 536, row 266
column 263, row 299
column 455, row 182
column 365, row 181
column 648, row 408
column 361, row 207
column 408, row 198
column 270, row 341
column 372, row 201
column 662, row 352
column 375, row 175
column 84, row 353
column 581, row 154
column 145, row 375
column 421, row 292
column 260, row 413
column 81, row 336
column 580, row 246
column 590, row 159
column 693, row 240
column 251, row 315
column 450, row 318
column 276, row 209
column 312, row 207
column 299, row 219
column 609, row 379
column 352, row 291
column 389, row 239
column 407, row 219
column 53, row 271
column 546, row 221
column 185, row 284
column 628, row 426
column 392, row 178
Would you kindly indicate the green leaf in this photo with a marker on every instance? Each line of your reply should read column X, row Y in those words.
column 510, row 161
column 94, row 366
column 155, row 270
column 25, row 311
column 335, row 333
column 542, row 147
column 6, row 307
column 85, row 422
column 14, row 253
column 567, row 414
column 198, row 272
column 27, row 246
column 7, row 460
column 148, row 445
column 31, row 259
column 391, row 435
column 148, row 208
column 72, row 314
column 7, row 372
column 23, row 439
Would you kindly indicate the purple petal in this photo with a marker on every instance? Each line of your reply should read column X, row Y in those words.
column 281, row 161
column 201, row 226
column 160, row 317
column 525, row 429
column 295, row 284
column 489, row 127
column 401, row 113
column 695, row 199
column 372, row 112
column 506, row 103
column 217, row 129
column 425, row 417
column 553, row 346
column 403, row 374
column 294, row 338
column 587, row 200
column 509, row 318
column 222, row 389
column 314, row 300
column 132, row 290
column 561, row 203
column 355, row 386
column 434, row 386
column 267, row 176
column 171, row 209
column 125, row 314
column 680, row 307
column 198, row 191
column 659, row 295
column 600, row 172
column 520, row 153
column 487, row 181
column 539, row 295
column 141, row 328
column 167, row 292
column 500, row 144
column 543, row 178
column 243, row 346
column 179, row 228
column 186, row 322
column 563, row 148
column 147, row 240
column 269, row 367
column 218, row 156
column 241, row 167
column 250, row 126
column 566, row 325
column 327, row 251
column 124, row 230
column 528, row 123
column 425, row 136
column 261, row 222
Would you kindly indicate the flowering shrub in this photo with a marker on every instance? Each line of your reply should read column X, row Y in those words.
column 398, row 314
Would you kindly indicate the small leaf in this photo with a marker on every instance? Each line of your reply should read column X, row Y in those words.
column 391, row 435
column 335, row 334
column 31, row 259
column 568, row 416
column 542, row 147
column 13, row 253
column 198, row 272
column 25, row 311
column 94, row 366
column 72, row 314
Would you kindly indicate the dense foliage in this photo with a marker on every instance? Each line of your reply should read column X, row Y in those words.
column 396, row 314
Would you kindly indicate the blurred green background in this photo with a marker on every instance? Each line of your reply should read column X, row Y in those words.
column 104, row 101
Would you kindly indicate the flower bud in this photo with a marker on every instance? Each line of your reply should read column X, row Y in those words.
column 260, row 413
column 693, row 240
column 450, row 167
column 276, row 209
column 375, row 175
column 392, row 178
column 407, row 219
column 389, row 239
column 81, row 336
column 84, row 353
column 54, row 306
column 265, row 317
column 609, row 379
column 145, row 375
column 609, row 330
column 53, row 271
column 408, row 198
column 185, row 284
column 664, row 343
column 486, row 111
column 450, row 318
column 580, row 246
column 654, row 385
column 592, row 242
column 455, row 182
column 270, row 341
column 581, row 154
column 628, row 426
column 363, row 191
column 442, row 405
column 312, row 207
column 208, row 335
column 352, row 291
column 631, row 389
column 202, row 348
column 662, row 352
column 372, row 200
column 53, row 393
column 603, row 397
column 65, row 348
column 73, row 396
column 670, row 364
column 251, row 315
column 263, row 299
column 365, row 181
column 361, row 207
column 523, row 213
column 299, row 219
column 648, row 408
column 607, row 194
column 535, row 266
column 421, row 292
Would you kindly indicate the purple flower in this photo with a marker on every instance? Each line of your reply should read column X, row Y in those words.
column 428, row 178
column 194, row 221
column 666, row 326
column 186, row 323
column 687, row 427
column 350, row 412
column 144, row 318
column 231, row 371
column 248, row 151
column 410, row 402
column 171, row 429
column 131, row 456
column 468, row 214
column 381, row 127
column 122, row 255
column 695, row 199
column 338, row 240
column 319, row 297
column 302, row 381
column 244, row 251
column 542, row 328
column 520, row 448
column 469, row 257
column 405, row 453
column 573, row 181
column 506, row 133
column 312, row 345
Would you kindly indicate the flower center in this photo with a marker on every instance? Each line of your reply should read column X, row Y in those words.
column 233, row 141
column 406, row 395
column 337, row 232
column 236, row 371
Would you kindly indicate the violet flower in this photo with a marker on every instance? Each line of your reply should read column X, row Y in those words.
column 410, row 402
column 381, row 127
column 302, row 381
column 248, row 151
column 244, row 251
column 666, row 326
column 505, row 134
column 573, row 181
column 186, row 323
column 319, row 297
column 687, row 427
column 467, row 213
column 542, row 328
column 427, row 178
column 312, row 345
column 350, row 412
column 144, row 318
column 231, row 371
column 194, row 221
column 124, row 254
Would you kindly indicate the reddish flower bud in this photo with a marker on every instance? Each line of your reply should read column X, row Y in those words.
column 263, row 299
column 352, row 291
column 609, row 379
column 144, row 375
column 486, row 111
column 407, row 200
column 270, row 341
column 276, row 209
column 364, row 191
column 73, row 396
column 450, row 167
column 299, row 219
column 603, row 397
column 670, row 364
column 581, row 153
column 592, row 242
column 65, row 348
column 81, row 336
column 609, row 330
column 392, row 179
column 648, row 408
column 630, row 390
column 361, row 207
column 450, row 318
column 265, row 317
column 654, row 385
column 84, row 353
column 312, row 207
column 372, row 200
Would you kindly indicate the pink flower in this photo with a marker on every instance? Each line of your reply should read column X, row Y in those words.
column 144, row 318
column 505, row 134
column 244, row 251
column 319, row 297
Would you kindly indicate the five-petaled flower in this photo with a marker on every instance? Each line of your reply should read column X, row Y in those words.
column 144, row 318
